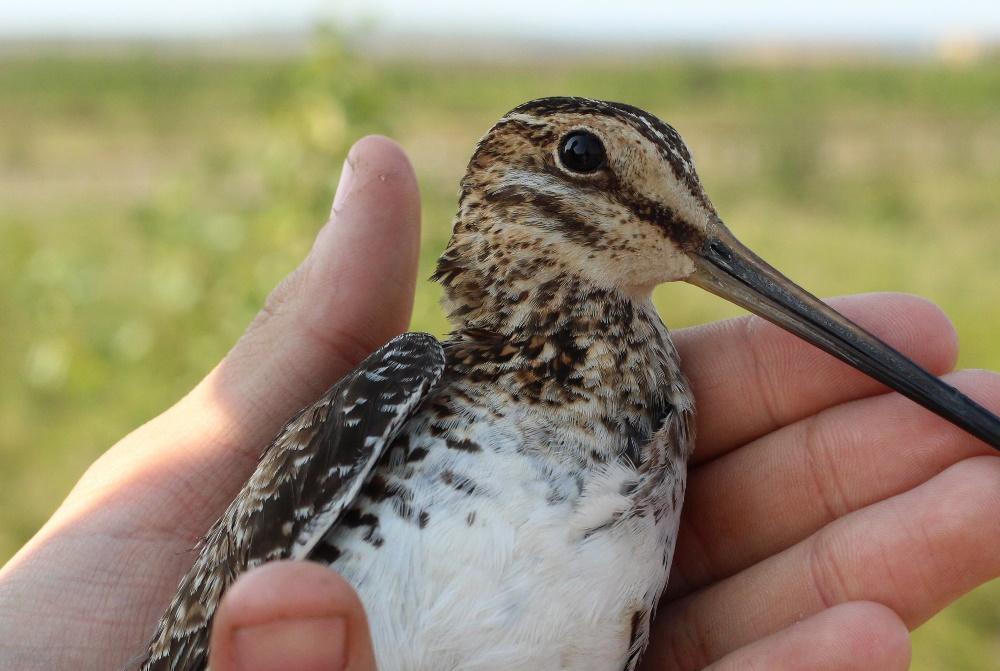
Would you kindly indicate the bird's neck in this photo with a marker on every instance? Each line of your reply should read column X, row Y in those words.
column 516, row 288
column 542, row 340
column 529, row 332
column 525, row 316
column 514, row 307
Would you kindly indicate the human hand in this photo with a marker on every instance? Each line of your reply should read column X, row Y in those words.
column 824, row 518
column 87, row 590
column 99, row 574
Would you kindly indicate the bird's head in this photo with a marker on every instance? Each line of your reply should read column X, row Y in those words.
column 604, row 191
column 566, row 197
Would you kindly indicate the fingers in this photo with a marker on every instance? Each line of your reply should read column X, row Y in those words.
column 291, row 615
column 760, row 378
column 850, row 637
column 790, row 483
column 915, row 553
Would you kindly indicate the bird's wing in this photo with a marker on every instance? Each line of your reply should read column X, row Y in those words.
column 303, row 482
column 661, row 489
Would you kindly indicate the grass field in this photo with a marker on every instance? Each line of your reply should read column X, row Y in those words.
column 148, row 204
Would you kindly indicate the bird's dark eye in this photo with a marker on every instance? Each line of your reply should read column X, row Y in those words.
column 581, row 151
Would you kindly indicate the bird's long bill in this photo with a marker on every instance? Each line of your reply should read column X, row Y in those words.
column 730, row 270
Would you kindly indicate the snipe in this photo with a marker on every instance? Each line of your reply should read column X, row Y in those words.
column 509, row 498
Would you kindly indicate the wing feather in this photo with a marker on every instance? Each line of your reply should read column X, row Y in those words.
column 304, row 481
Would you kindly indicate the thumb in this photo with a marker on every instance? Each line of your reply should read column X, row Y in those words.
column 291, row 615
column 351, row 294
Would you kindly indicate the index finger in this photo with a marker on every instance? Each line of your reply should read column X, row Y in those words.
column 750, row 377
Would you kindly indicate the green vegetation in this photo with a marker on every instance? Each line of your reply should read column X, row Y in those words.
column 148, row 204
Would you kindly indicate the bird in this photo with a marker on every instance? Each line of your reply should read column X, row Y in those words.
column 509, row 497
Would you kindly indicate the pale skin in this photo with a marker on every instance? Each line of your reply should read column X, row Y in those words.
column 824, row 519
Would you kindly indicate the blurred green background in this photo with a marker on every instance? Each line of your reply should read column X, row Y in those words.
column 150, row 200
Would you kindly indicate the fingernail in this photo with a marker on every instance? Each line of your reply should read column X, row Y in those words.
column 307, row 644
column 344, row 185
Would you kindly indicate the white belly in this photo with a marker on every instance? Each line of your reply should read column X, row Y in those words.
column 505, row 578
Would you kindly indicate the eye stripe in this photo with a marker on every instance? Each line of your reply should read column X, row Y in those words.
column 662, row 135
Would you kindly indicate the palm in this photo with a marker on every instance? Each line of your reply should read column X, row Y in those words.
column 801, row 495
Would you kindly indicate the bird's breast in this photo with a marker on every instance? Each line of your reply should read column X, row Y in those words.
column 476, row 550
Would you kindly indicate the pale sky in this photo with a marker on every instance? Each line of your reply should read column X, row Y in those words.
column 696, row 20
